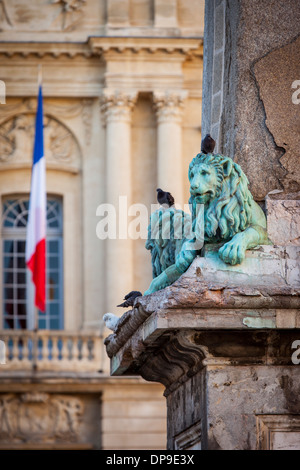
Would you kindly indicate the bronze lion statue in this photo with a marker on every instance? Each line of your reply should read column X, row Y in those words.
column 230, row 212
column 230, row 215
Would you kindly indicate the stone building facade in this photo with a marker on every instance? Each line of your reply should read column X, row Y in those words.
column 122, row 83
column 224, row 339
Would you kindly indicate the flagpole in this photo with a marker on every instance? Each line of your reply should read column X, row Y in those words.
column 35, row 339
column 40, row 75
column 36, row 310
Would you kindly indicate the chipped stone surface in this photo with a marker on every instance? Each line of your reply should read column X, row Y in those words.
column 283, row 212
column 238, row 395
column 275, row 74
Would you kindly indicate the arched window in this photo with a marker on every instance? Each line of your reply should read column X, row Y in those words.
column 18, row 290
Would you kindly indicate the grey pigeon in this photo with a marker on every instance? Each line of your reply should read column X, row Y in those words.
column 164, row 197
column 130, row 298
column 111, row 321
column 208, row 144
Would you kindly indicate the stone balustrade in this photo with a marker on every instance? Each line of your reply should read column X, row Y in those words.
column 51, row 351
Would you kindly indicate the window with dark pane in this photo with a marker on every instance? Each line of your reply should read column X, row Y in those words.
column 17, row 287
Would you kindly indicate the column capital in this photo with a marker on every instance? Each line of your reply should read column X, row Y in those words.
column 116, row 105
column 168, row 105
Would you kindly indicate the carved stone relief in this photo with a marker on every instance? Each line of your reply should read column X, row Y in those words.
column 53, row 15
column 5, row 20
column 35, row 417
column 70, row 13
column 17, row 137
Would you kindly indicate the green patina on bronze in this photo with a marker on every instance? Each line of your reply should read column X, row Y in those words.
column 230, row 215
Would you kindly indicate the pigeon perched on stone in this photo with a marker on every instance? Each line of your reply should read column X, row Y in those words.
column 130, row 298
column 164, row 197
column 111, row 321
column 208, row 144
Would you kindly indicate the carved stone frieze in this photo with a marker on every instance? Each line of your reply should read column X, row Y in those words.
column 70, row 14
column 40, row 417
column 56, row 15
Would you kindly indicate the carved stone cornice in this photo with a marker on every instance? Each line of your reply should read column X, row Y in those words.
column 169, row 105
column 100, row 46
column 117, row 105
column 41, row 49
column 186, row 47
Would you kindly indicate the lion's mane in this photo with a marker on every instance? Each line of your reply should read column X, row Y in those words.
column 229, row 210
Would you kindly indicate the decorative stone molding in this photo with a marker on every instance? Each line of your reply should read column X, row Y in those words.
column 168, row 105
column 178, row 358
column 117, row 105
column 190, row 439
column 17, row 137
column 187, row 47
column 40, row 50
column 277, row 432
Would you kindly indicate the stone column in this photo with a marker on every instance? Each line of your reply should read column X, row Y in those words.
column 169, row 142
column 251, row 55
column 117, row 107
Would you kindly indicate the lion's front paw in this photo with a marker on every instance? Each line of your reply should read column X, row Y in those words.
column 158, row 283
column 233, row 252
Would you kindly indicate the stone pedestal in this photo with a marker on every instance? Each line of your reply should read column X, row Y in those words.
column 223, row 341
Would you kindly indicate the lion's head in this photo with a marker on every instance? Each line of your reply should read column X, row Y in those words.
column 221, row 185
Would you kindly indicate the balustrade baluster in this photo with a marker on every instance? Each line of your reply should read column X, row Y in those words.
column 56, row 351
column 64, row 352
column 45, row 350
column 15, row 349
column 84, row 350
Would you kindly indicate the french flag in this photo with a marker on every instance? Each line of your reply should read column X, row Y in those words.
column 36, row 226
